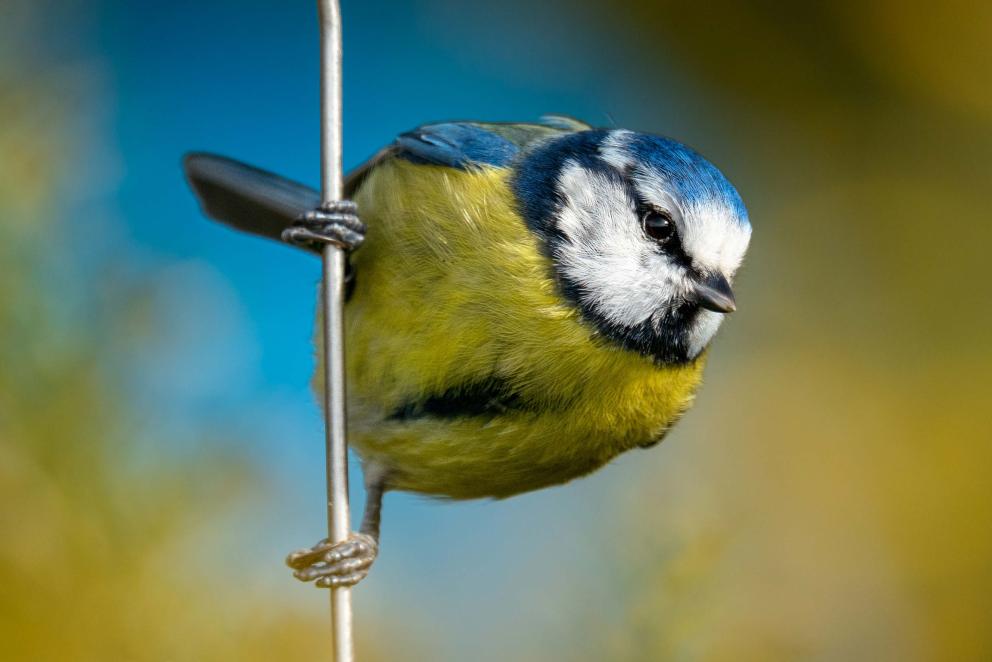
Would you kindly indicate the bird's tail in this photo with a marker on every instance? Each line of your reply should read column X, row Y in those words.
column 245, row 197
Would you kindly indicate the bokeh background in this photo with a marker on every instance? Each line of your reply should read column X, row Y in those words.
column 829, row 497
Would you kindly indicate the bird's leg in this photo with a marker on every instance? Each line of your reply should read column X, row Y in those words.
column 348, row 562
column 334, row 223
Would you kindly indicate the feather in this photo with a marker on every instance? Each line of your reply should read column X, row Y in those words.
column 246, row 198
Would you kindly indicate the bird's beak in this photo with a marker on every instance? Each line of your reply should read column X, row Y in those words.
column 713, row 293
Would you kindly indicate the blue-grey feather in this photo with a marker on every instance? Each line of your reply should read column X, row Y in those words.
column 455, row 145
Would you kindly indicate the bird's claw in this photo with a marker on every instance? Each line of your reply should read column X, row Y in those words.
column 331, row 565
column 334, row 223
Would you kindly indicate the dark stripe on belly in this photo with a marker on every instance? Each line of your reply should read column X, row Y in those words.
column 488, row 398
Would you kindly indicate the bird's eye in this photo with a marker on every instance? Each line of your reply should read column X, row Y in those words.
column 658, row 225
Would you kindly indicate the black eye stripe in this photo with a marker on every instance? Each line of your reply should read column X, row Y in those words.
column 672, row 247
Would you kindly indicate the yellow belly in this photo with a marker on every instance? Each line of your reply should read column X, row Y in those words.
column 452, row 289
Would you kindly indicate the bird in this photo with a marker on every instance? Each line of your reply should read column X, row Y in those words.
column 525, row 302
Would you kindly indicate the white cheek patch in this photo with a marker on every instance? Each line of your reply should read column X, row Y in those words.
column 623, row 278
column 705, row 327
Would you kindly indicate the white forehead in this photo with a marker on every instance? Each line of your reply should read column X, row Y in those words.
column 712, row 235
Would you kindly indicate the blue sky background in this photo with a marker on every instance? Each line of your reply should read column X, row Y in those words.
column 819, row 501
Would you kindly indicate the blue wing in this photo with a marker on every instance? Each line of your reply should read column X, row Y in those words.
column 465, row 144
column 456, row 145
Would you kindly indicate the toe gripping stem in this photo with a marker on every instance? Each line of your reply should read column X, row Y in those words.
column 336, row 223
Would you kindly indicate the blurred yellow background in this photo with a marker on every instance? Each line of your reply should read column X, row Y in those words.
column 828, row 498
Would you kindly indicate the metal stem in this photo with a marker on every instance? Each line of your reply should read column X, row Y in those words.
column 338, row 518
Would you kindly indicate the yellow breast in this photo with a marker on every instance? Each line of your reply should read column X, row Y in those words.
column 452, row 289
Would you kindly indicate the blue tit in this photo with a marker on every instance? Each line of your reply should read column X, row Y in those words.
column 530, row 301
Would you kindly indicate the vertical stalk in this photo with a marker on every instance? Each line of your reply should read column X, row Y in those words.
column 338, row 519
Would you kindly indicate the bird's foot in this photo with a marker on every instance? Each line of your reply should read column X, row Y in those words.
column 334, row 223
column 332, row 565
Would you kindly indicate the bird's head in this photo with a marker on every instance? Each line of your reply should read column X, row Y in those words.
column 645, row 236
